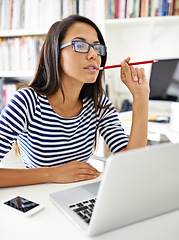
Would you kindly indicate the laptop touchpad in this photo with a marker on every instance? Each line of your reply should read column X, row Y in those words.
column 92, row 188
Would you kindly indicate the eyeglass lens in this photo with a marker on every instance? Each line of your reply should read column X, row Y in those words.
column 85, row 47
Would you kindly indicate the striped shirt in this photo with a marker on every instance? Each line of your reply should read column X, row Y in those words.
column 47, row 139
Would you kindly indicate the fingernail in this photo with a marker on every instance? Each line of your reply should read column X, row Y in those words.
column 135, row 78
column 140, row 80
column 123, row 64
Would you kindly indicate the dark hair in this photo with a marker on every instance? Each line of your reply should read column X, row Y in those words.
column 47, row 79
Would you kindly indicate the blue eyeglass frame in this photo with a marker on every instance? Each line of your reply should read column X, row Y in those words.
column 90, row 45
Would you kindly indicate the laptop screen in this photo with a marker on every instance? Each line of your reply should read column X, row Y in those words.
column 164, row 80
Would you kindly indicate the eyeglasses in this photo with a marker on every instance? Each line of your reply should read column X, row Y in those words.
column 84, row 47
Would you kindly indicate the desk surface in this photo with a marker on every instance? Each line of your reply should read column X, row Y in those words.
column 52, row 224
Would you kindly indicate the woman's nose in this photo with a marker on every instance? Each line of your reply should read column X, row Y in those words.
column 92, row 52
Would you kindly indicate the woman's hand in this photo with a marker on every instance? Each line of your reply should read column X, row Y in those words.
column 72, row 172
column 134, row 79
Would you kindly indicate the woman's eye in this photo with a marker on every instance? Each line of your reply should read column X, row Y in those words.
column 80, row 46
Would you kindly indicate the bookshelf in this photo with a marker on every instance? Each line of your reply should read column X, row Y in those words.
column 140, row 38
column 139, row 20
column 23, row 32
column 17, row 20
column 21, row 75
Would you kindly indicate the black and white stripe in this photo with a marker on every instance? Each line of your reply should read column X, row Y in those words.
column 47, row 139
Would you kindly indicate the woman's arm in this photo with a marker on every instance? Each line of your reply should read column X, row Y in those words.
column 137, row 83
column 70, row 172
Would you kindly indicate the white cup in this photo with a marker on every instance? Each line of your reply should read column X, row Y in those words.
column 174, row 117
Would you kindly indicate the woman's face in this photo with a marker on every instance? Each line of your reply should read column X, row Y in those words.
column 77, row 68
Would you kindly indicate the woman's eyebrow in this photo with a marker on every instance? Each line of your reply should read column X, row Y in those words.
column 84, row 39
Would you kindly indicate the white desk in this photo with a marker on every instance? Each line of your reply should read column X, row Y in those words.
column 52, row 224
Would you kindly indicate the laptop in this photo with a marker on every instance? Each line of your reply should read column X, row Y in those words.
column 136, row 185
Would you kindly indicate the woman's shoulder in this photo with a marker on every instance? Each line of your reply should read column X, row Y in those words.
column 105, row 103
column 26, row 90
column 25, row 94
column 105, row 106
column 104, row 100
column 24, row 97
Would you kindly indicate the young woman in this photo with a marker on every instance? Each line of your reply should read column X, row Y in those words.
column 56, row 117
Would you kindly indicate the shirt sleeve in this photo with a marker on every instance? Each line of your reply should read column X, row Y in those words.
column 14, row 119
column 110, row 128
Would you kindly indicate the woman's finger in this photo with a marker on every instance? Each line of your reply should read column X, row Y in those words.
column 139, row 74
column 127, row 60
column 88, row 171
column 83, row 177
column 143, row 72
column 125, row 71
column 87, row 168
column 134, row 74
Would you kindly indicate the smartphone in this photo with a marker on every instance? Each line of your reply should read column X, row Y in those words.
column 22, row 205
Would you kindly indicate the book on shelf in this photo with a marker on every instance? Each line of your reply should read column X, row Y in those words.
column 19, row 54
column 7, row 89
column 140, row 8
column 30, row 14
column 1, row 94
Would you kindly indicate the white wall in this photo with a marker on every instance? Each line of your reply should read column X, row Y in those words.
column 140, row 39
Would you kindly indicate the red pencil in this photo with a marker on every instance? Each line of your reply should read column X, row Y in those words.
column 134, row 63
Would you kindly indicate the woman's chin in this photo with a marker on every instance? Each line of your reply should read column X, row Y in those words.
column 92, row 80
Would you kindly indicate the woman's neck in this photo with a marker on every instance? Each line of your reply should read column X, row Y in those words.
column 67, row 107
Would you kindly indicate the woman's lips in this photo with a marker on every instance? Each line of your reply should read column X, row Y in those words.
column 91, row 68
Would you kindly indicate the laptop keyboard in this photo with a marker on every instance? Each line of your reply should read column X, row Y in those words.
column 84, row 209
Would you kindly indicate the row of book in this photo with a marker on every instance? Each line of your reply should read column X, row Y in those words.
column 29, row 14
column 19, row 54
column 7, row 89
column 140, row 8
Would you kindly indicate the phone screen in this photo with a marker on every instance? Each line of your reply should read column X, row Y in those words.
column 21, row 204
